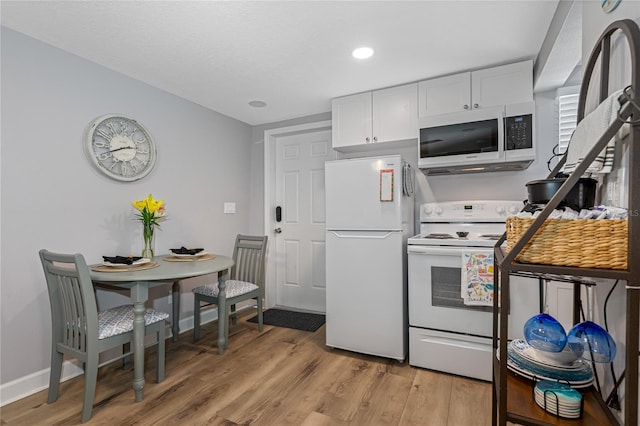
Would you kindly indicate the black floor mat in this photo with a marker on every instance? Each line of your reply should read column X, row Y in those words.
column 291, row 319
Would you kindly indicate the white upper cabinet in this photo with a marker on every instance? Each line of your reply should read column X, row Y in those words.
column 503, row 85
column 351, row 118
column 445, row 94
column 395, row 113
column 508, row 84
column 386, row 115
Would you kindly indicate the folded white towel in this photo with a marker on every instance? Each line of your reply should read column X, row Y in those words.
column 587, row 133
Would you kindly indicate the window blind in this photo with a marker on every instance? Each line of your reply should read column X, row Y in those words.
column 567, row 117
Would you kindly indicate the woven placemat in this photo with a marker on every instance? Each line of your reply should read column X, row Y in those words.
column 103, row 268
column 190, row 259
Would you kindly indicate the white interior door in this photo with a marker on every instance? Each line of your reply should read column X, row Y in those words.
column 300, row 239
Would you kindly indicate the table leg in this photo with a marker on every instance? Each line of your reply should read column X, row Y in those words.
column 175, row 318
column 139, row 295
column 223, row 276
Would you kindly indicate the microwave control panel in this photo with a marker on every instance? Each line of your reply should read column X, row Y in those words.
column 518, row 132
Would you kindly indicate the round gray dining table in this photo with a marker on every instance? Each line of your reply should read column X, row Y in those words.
column 139, row 281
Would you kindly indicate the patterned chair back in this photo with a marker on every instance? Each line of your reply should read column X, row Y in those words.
column 74, row 313
column 249, row 254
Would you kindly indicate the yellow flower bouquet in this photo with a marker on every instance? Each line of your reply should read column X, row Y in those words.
column 149, row 211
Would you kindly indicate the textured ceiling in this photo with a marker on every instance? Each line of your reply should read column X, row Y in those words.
column 293, row 55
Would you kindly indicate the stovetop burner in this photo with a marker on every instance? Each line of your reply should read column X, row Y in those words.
column 436, row 236
column 491, row 236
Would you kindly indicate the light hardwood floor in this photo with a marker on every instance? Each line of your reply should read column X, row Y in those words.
column 278, row 377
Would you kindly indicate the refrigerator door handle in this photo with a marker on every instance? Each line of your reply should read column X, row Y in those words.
column 362, row 235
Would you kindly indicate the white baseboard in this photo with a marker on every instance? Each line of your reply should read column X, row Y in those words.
column 186, row 324
column 35, row 382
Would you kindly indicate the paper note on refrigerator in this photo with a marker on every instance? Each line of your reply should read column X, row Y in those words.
column 386, row 185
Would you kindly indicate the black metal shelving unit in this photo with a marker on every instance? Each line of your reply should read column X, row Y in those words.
column 511, row 396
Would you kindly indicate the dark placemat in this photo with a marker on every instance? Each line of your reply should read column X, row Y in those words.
column 291, row 319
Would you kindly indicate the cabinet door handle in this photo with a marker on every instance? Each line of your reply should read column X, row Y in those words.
column 476, row 105
column 466, row 106
column 375, row 139
column 367, row 139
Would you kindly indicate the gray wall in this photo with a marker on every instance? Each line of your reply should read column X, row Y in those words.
column 52, row 198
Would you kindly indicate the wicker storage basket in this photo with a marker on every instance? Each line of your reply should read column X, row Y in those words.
column 584, row 243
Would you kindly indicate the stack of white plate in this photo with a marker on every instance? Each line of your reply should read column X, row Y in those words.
column 558, row 399
column 536, row 365
column 125, row 265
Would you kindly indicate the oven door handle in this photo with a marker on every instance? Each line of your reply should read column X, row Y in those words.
column 445, row 251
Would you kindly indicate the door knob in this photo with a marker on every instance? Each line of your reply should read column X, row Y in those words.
column 278, row 230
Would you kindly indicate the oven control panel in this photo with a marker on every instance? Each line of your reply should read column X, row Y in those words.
column 474, row 211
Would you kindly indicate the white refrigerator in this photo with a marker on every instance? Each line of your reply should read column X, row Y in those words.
column 369, row 217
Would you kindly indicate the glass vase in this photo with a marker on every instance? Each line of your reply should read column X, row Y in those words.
column 543, row 331
column 589, row 341
column 148, row 240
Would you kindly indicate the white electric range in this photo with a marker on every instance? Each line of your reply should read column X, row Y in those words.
column 450, row 287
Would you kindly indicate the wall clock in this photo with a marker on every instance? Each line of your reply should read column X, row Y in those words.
column 120, row 147
column 609, row 6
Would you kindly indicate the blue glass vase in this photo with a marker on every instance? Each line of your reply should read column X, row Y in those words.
column 589, row 341
column 545, row 333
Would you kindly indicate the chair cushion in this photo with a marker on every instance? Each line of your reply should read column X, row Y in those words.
column 119, row 320
column 234, row 288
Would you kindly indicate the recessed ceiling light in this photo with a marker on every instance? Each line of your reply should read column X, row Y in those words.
column 258, row 104
column 362, row 53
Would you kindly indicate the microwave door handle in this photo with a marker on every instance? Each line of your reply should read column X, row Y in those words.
column 501, row 135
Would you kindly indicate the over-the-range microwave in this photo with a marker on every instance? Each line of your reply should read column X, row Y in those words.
column 486, row 139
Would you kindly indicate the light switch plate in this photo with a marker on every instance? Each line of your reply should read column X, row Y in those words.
column 229, row 208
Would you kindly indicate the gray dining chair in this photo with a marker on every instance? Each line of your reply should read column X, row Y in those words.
column 81, row 331
column 246, row 282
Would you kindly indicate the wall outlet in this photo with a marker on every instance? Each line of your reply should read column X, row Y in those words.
column 229, row 208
